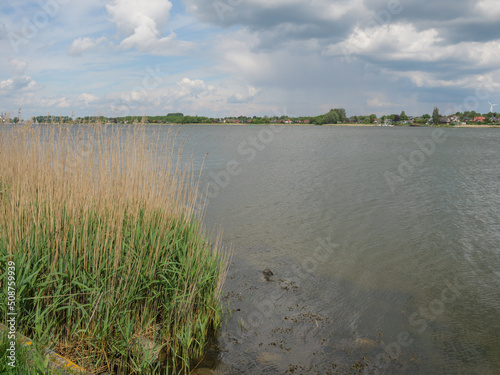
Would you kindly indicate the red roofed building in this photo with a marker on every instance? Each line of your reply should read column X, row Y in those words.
column 479, row 119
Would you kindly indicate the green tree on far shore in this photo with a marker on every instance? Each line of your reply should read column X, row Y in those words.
column 331, row 117
column 318, row 120
column 341, row 113
column 436, row 118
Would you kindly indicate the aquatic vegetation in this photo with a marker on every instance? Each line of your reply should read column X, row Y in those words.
column 108, row 247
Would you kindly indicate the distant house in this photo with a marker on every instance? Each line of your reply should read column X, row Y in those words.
column 494, row 119
column 444, row 120
column 454, row 118
column 479, row 119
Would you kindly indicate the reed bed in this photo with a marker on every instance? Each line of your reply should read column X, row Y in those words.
column 109, row 248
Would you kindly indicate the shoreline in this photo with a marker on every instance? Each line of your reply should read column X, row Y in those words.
column 472, row 126
column 476, row 126
column 349, row 125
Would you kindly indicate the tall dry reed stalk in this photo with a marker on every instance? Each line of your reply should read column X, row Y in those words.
column 108, row 245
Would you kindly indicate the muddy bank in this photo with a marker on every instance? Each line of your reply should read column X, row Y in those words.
column 281, row 324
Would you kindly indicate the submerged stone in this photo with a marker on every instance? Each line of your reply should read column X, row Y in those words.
column 267, row 274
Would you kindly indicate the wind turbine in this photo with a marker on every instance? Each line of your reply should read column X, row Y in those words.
column 491, row 108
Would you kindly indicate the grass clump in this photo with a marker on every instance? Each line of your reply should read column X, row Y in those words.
column 108, row 247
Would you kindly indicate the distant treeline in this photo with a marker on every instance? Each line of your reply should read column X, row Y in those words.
column 334, row 116
column 171, row 118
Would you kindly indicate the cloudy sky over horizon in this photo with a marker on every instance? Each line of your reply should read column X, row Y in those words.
column 248, row 57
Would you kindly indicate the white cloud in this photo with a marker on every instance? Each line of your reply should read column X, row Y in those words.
column 433, row 80
column 379, row 103
column 81, row 45
column 132, row 14
column 8, row 84
column 244, row 97
column 335, row 12
column 489, row 8
column 142, row 23
column 192, row 88
column 88, row 98
column 61, row 102
column 19, row 82
column 18, row 67
column 236, row 56
column 403, row 42
column 394, row 41
column 485, row 54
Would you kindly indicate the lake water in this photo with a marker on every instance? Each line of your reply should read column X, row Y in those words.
column 384, row 244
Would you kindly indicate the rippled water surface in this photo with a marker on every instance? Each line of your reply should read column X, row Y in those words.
column 386, row 259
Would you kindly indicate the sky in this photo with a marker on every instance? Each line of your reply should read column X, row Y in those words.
column 221, row 58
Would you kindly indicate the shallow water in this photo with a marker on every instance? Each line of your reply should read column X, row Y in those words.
column 397, row 278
